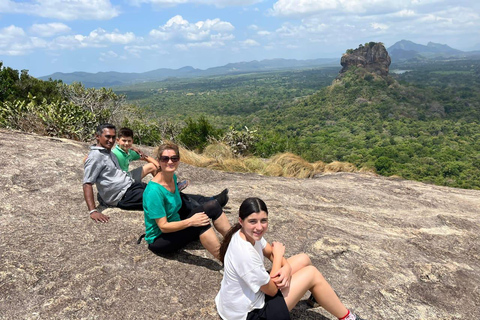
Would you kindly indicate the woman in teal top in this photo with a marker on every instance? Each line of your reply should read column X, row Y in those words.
column 168, row 226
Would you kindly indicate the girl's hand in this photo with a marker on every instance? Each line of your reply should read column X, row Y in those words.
column 199, row 219
column 278, row 249
column 283, row 276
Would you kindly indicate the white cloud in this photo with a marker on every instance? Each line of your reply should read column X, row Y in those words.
column 205, row 44
column 263, row 33
column 172, row 3
column 307, row 28
column 404, row 13
column 61, row 9
column 15, row 42
column 378, row 26
column 137, row 50
column 303, row 8
column 249, row 43
column 110, row 55
column 49, row 29
column 97, row 38
column 180, row 29
column 223, row 37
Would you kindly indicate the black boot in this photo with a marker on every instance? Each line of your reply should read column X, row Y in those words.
column 222, row 198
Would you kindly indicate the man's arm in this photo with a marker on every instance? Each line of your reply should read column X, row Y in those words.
column 90, row 200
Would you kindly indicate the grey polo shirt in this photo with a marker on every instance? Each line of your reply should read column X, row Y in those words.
column 102, row 168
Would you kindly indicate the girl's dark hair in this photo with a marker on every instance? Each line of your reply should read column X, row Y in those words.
column 248, row 206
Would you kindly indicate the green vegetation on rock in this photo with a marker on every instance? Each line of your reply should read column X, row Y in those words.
column 421, row 125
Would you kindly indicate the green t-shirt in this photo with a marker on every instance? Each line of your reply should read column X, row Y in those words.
column 125, row 158
column 158, row 202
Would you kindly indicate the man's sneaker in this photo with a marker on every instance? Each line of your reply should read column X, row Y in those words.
column 312, row 302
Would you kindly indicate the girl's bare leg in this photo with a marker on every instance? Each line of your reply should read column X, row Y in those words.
column 309, row 278
column 299, row 261
column 222, row 225
column 210, row 241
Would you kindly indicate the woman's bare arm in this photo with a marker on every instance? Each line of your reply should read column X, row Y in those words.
column 197, row 220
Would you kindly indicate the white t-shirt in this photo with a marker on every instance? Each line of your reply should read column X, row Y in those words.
column 244, row 274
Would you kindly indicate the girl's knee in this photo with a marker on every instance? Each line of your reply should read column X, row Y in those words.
column 305, row 259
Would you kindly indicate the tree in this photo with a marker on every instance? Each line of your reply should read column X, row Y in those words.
column 195, row 134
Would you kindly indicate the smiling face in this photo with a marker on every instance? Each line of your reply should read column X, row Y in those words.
column 125, row 143
column 254, row 226
column 169, row 166
column 106, row 139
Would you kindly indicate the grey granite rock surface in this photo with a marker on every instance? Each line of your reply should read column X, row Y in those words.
column 392, row 249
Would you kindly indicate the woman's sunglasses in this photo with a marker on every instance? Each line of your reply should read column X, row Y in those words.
column 166, row 159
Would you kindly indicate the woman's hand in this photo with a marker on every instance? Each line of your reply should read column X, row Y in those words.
column 199, row 219
column 283, row 276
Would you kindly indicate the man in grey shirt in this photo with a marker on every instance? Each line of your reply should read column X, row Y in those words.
column 115, row 187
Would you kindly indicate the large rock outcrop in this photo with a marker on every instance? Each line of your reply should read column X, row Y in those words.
column 392, row 249
column 373, row 57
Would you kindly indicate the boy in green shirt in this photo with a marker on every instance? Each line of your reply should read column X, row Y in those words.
column 125, row 152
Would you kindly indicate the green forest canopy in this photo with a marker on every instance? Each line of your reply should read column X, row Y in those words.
column 421, row 125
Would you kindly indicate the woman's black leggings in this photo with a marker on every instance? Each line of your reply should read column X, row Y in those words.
column 173, row 241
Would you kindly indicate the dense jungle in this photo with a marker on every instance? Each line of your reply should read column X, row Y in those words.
column 421, row 122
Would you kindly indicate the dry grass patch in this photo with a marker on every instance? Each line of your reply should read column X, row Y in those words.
column 367, row 170
column 194, row 159
column 218, row 151
column 272, row 169
column 319, row 166
column 293, row 165
column 219, row 157
column 337, row 166
column 255, row 164
column 230, row 165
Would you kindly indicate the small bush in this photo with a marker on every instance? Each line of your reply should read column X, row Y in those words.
column 241, row 142
column 61, row 119
column 196, row 134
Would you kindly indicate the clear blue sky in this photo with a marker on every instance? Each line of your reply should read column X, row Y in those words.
column 46, row 36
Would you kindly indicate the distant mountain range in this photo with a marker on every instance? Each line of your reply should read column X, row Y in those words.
column 110, row 79
column 402, row 51
column 407, row 50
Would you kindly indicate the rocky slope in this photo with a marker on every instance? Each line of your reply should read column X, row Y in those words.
column 373, row 57
column 392, row 249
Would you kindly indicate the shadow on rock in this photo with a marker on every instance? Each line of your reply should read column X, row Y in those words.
column 186, row 257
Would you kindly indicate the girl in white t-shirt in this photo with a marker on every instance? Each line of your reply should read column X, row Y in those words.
column 249, row 292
